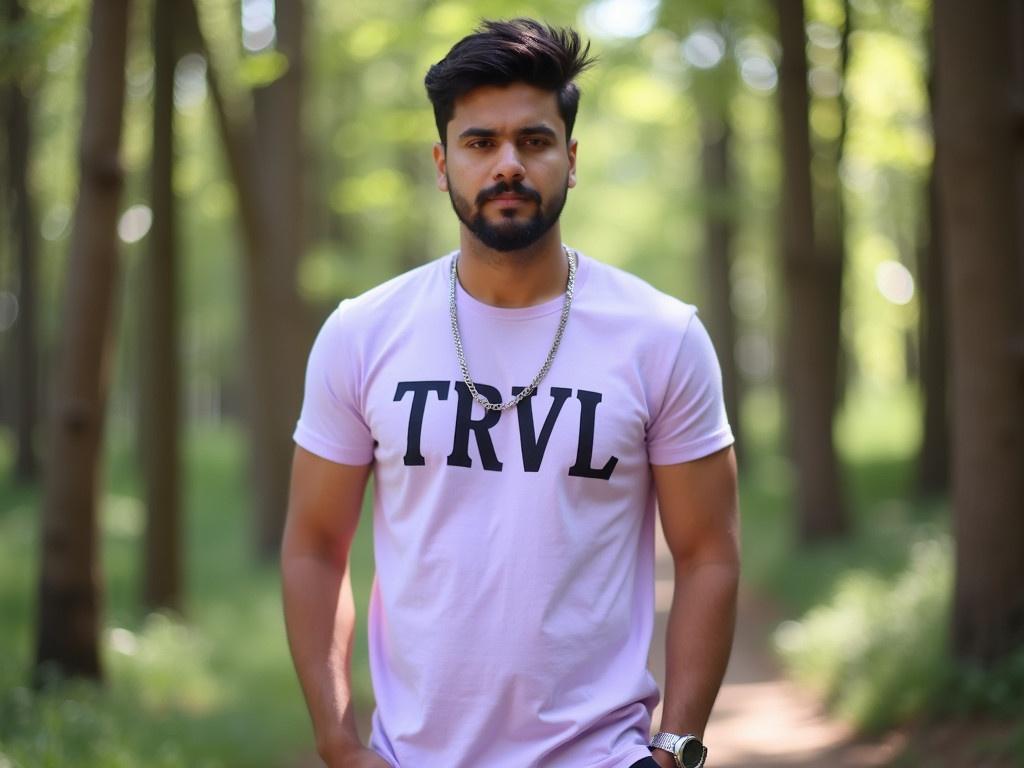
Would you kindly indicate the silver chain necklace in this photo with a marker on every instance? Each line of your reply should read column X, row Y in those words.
column 457, row 337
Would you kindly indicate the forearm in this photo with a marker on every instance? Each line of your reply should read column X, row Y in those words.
column 698, row 642
column 320, row 620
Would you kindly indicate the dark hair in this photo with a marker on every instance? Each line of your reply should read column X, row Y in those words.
column 506, row 52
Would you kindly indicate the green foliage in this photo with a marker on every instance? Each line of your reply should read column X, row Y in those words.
column 372, row 206
column 26, row 43
column 877, row 648
column 214, row 689
column 998, row 690
column 262, row 69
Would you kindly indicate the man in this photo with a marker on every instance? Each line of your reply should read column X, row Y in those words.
column 520, row 406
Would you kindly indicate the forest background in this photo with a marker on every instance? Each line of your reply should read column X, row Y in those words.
column 835, row 183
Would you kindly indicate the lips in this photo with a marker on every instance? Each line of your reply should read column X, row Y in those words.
column 508, row 199
column 515, row 193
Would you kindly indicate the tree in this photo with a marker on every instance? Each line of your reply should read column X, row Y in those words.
column 69, row 585
column 281, row 181
column 830, row 227
column 160, row 358
column 976, row 140
column 23, row 223
column 712, row 25
column 719, row 228
column 810, row 328
column 270, row 213
column 933, row 461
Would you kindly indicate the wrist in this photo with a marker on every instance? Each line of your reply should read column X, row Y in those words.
column 680, row 751
column 335, row 747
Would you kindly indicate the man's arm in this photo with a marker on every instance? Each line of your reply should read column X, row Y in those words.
column 700, row 517
column 323, row 512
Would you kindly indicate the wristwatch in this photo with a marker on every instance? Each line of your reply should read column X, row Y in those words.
column 688, row 750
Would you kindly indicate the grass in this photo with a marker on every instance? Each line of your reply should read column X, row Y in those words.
column 214, row 690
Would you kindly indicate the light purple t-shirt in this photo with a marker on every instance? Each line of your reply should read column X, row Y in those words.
column 513, row 604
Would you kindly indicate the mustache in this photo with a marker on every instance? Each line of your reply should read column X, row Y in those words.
column 504, row 187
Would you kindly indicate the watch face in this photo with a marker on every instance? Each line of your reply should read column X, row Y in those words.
column 692, row 753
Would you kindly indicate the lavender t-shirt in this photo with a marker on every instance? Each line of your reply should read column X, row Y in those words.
column 513, row 604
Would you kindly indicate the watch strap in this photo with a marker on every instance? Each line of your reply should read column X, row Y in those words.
column 665, row 741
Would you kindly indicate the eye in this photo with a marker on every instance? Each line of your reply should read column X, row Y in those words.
column 480, row 144
column 537, row 142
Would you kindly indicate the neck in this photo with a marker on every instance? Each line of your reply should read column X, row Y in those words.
column 513, row 278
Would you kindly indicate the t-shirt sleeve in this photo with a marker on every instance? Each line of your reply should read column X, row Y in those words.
column 331, row 423
column 690, row 421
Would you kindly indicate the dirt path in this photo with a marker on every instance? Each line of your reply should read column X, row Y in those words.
column 761, row 720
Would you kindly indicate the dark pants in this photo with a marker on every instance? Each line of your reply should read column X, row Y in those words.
column 647, row 762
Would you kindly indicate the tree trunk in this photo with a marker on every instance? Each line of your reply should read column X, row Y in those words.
column 23, row 223
column 933, row 463
column 70, row 584
column 810, row 341
column 276, row 348
column 830, row 212
column 281, row 187
column 1017, row 48
column 975, row 134
column 160, row 358
column 718, row 234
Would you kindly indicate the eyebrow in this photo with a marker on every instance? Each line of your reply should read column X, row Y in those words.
column 490, row 133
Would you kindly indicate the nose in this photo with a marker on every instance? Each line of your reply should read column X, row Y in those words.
column 508, row 166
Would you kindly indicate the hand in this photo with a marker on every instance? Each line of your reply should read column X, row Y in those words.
column 663, row 758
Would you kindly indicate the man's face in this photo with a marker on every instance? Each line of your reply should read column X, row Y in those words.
column 507, row 167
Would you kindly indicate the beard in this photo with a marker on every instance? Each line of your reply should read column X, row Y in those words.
column 508, row 234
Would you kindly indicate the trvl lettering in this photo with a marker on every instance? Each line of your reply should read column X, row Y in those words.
column 585, row 449
column 533, row 445
column 420, row 390
column 459, row 456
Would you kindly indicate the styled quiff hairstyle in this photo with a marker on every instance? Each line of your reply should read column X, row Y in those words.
column 506, row 52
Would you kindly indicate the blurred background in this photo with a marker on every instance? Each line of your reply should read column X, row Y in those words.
column 188, row 188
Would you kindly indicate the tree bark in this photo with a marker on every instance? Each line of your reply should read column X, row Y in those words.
column 975, row 135
column 160, row 348
column 933, row 463
column 1017, row 48
column 70, row 585
column 281, row 187
column 718, row 234
column 830, row 212
column 23, row 223
column 810, row 330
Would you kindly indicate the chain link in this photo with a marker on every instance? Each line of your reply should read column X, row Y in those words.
column 457, row 337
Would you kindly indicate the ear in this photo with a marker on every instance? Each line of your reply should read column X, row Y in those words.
column 573, row 144
column 441, row 163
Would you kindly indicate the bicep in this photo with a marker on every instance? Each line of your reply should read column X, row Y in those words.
column 324, row 502
column 699, row 508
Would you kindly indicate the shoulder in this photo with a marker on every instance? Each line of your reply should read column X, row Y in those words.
column 614, row 291
column 385, row 309
column 396, row 296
